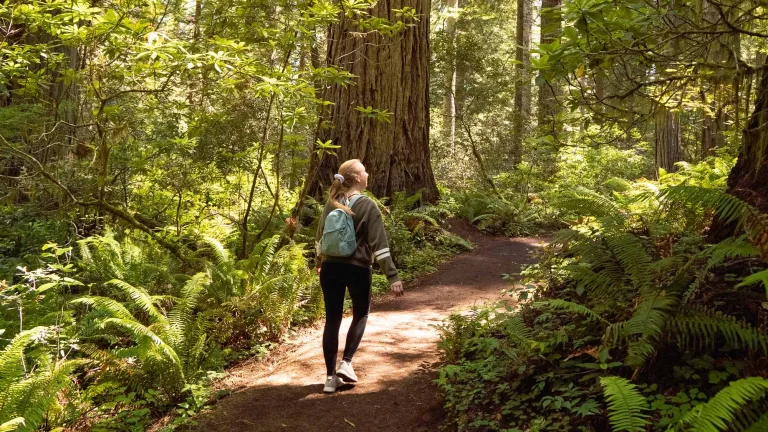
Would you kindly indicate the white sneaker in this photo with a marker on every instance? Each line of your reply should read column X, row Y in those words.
column 346, row 372
column 331, row 383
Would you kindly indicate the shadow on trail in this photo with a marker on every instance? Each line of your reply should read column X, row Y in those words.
column 396, row 362
column 388, row 406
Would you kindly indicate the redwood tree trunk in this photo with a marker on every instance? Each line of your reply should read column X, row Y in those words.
column 393, row 75
column 668, row 137
column 748, row 179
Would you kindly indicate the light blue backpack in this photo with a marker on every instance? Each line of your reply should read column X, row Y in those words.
column 338, row 238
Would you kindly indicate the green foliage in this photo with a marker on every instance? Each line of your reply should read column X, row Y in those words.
column 31, row 383
column 571, row 307
column 724, row 408
column 626, row 405
column 168, row 347
column 659, row 304
column 416, row 238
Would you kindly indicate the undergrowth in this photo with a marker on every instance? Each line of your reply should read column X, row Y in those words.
column 633, row 320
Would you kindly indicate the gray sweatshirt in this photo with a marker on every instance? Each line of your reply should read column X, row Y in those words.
column 371, row 238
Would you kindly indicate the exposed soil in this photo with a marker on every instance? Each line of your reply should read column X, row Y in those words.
column 396, row 362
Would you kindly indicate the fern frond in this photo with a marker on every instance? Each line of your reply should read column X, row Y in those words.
column 755, row 278
column 106, row 305
column 515, row 328
column 647, row 322
column 633, row 256
column 586, row 202
column 260, row 261
column 626, row 405
column 732, row 247
column 12, row 355
column 722, row 409
column 181, row 315
column 571, row 307
column 220, row 253
column 699, row 328
column 138, row 331
column 12, row 425
column 141, row 298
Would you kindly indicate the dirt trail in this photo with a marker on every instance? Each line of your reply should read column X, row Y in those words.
column 395, row 363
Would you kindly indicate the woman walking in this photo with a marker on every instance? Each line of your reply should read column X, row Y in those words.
column 339, row 273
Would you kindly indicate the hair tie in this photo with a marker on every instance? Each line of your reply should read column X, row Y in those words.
column 338, row 177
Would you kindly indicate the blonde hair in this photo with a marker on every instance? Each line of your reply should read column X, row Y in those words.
column 340, row 188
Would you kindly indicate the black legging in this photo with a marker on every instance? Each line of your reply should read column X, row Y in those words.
column 334, row 279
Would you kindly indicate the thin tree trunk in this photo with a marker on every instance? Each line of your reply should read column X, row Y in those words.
column 723, row 50
column 549, row 92
column 551, row 28
column 449, row 104
column 522, row 113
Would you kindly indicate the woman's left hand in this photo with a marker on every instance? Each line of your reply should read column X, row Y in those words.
column 397, row 288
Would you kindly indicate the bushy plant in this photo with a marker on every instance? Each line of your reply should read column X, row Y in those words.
column 634, row 297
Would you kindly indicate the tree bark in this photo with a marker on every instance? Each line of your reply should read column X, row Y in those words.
column 393, row 75
column 549, row 92
column 668, row 137
column 748, row 180
column 723, row 50
column 551, row 28
column 522, row 113
column 449, row 104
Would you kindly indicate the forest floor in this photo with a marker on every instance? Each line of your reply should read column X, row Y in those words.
column 396, row 363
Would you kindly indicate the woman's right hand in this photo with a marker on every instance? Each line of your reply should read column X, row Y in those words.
column 397, row 288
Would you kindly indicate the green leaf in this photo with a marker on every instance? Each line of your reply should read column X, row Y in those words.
column 626, row 405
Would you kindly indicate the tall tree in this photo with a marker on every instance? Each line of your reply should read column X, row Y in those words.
column 551, row 29
column 717, row 89
column 383, row 119
column 522, row 112
column 749, row 177
column 449, row 104
column 667, row 138
column 748, row 180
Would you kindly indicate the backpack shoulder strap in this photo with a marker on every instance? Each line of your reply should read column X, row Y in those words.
column 354, row 199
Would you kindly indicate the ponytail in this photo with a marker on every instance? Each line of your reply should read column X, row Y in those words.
column 342, row 183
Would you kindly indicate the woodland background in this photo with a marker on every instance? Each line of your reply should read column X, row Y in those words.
column 163, row 163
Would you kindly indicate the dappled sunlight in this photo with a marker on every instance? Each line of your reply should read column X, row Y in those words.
column 395, row 362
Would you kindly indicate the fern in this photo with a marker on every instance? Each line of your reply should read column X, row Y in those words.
column 761, row 425
column 647, row 323
column 700, row 328
column 220, row 253
column 140, row 298
column 12, row 425
column 571, row 307
column 586, row 202
column 28, row 389
column 716, row 255
column 723, row 409
column 626, row 405
column 169, row 347
column 633, row 256
column 755, row 278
